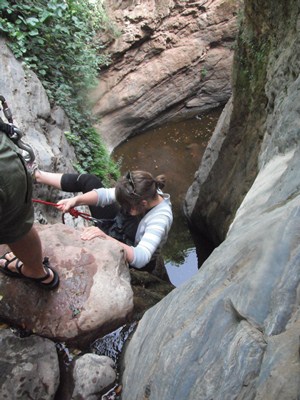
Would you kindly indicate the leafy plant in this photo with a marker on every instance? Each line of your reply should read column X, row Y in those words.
column 56, row 39
column 203, row 73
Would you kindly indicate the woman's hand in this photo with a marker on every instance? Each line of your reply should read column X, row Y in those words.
column 92, row 232
column 66, row 204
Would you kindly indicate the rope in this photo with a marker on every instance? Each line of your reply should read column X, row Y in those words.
column 73, row 211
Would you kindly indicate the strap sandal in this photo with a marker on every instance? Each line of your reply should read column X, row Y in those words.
column 38, row 281
column 5, row 270
column 49, row 285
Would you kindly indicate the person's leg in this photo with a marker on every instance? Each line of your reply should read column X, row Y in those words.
column 16, row 221
column 48, row 178
column 74, row 183
column 68, row 182
column 80, row 182
column 28, row 250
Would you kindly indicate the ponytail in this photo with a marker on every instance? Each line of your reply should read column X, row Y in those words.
column 160, row 181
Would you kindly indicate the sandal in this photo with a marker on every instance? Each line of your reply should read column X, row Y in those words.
column 39, row 281
column 5, row 270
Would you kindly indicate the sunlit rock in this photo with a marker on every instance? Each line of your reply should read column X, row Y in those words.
column 170, row 60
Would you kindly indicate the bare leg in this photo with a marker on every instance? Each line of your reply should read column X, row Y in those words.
column 29, row 250
column 48, row 178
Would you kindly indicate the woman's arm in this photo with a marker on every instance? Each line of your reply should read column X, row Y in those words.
column 88, row 199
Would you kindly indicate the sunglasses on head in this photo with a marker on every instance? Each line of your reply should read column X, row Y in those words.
column 129, row 178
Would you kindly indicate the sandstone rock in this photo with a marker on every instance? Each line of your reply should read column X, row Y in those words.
column 94, row 296
column 198, row 192
column 172, row 60
column 29, row 367
column 246, row 141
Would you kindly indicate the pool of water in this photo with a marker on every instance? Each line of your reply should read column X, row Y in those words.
column 174, row 149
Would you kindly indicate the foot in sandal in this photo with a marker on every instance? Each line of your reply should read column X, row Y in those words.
column 11, row 266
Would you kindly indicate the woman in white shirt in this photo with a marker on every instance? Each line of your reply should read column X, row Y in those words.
column 139, row 194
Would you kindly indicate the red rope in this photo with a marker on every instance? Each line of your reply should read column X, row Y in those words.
column 73, row 211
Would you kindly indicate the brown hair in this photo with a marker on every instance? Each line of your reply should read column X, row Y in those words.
column 136, row 186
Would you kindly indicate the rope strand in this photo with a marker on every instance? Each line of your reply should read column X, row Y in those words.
column 73, row 211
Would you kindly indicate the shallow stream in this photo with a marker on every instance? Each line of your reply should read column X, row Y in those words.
column 174, row 149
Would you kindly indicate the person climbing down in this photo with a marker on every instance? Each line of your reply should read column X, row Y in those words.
column 143, row 203
column 25, row 260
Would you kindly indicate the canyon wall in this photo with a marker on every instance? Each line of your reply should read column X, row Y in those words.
column 171, row 60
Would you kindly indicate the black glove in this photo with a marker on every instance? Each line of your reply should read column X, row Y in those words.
column 6, row 128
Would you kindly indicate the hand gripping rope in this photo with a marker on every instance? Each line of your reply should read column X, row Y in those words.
column 73, row 211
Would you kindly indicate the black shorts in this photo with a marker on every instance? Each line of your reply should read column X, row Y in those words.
column 16, row 208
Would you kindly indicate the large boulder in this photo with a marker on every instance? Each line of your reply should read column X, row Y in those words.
column 97, row 293
column 94, row 296
column 171, row 60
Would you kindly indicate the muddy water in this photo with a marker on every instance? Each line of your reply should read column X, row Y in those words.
column 175, row 150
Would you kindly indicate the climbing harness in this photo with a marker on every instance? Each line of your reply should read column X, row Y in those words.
column 14, row 133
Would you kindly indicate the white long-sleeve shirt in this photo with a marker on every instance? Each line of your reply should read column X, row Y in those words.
column 152, row 231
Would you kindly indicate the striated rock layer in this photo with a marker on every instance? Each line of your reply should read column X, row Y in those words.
column 232, row 331
column 172, row 59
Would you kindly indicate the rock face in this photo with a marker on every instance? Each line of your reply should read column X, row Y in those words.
column 172, row 60
column 43, row 126
column 232, row 331
column 262, row 122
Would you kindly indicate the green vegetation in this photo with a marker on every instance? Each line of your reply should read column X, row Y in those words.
column 57, row 40
column 203, row 73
